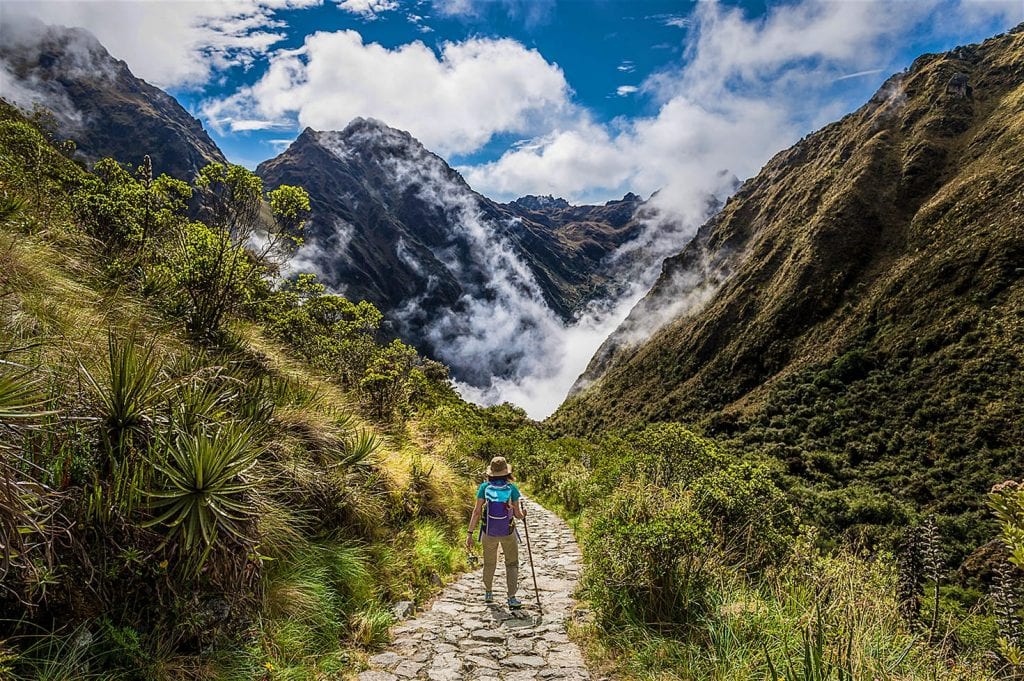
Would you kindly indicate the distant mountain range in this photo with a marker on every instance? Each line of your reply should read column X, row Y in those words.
column 857, row 308
column 97, row 102
column 393, row 224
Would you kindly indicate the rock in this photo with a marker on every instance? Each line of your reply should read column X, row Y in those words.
column 520, row 661
column 959, row 86
column 484, row 662
column 386, row 660
column 408, row 669
column 376, row 676
column 403, row 609
column 488, row 635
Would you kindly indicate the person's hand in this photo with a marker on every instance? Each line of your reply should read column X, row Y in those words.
column 469, row 542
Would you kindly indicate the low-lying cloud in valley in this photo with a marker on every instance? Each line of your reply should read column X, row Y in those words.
column 743, row 89
column 746, row 89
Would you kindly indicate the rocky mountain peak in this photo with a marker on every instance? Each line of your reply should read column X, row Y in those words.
column 534, row 202
column 630, row 197
column 369, row 137
column 97, row 101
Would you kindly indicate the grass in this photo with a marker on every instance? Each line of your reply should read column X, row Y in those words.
column 819, row 617
column 99, row 375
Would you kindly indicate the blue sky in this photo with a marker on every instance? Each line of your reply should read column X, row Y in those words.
column 584, row 99
column 601, row 46
column 590, row 41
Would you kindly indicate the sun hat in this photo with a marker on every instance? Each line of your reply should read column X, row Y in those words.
column 498, row 467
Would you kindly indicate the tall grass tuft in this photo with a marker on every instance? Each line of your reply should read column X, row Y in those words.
column 371, row 626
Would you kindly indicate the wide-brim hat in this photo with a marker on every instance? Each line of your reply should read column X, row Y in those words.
column 498, row 467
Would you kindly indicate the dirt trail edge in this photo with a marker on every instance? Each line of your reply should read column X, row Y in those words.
column 460, row 637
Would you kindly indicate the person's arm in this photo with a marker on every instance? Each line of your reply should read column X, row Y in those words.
column 517, row 504
column 473, row 522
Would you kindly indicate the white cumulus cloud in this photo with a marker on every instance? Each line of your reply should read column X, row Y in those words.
column 368, row 9
column 453, row 100
column 170, row 44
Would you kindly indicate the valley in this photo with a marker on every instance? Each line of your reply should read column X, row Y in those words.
column 243, row 412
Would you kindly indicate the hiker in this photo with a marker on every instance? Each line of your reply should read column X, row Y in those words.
column 501, row 499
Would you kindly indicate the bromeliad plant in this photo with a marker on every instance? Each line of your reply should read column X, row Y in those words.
column 205, row 479
column 130, row 391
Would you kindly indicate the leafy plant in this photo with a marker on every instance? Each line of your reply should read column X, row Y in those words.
column 19, row 394
column 130, row 391
column 360, row 447
column 11, row 205
column 204, row 484
column 1007, row 503
column 817, row 662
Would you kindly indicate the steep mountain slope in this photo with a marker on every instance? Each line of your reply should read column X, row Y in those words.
column 394, row 224
column 861, row 298
column 97, row 101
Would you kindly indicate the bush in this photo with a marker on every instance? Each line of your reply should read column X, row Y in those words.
column 647, row 550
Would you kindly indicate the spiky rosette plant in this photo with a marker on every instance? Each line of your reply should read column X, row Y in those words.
column 203, row 499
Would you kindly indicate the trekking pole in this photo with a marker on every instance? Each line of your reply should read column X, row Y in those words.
column 529, row 552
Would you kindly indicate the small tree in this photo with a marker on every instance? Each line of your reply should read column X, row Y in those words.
column 386, row 379
column 222, row 259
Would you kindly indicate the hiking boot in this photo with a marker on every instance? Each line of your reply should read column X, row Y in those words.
column 488, row 597
column 514, row 603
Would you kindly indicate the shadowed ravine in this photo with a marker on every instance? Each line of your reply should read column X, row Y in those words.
column 460, row 637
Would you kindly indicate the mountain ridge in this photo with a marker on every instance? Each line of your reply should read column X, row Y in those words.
column 864, row 319
column 394, row 224
column 99, row 103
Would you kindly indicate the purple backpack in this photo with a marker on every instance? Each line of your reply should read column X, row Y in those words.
column 498, row 519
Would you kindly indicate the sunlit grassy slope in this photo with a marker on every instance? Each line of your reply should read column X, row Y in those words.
column 320, row 511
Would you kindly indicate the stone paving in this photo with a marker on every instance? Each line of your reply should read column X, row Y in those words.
column 460, row 637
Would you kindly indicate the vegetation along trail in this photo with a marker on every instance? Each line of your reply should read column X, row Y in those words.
column 460, row 637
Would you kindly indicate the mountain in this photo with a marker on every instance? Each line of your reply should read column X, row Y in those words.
column 857, row 308
column 97, row 102
column 392, row 223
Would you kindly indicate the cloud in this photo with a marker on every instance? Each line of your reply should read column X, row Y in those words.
column 246, row 125
column 676, row 21
column 453, row 100
column 170, row 44
column 626, row 67
column 746, row 88
column 368, row 9
column 529, row 12
column 859, row 74
column 624, row 90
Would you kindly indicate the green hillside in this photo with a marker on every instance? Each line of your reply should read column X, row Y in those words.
column 867, row 322
column 212, row 471
column 203, row 476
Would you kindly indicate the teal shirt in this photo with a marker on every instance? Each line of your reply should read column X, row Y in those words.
column 483, row 486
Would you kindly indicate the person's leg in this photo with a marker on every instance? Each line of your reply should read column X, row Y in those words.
column 510, row 548
column 490, row 545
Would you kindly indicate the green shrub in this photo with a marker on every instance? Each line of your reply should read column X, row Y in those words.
column 660, row 454
column 647, row 551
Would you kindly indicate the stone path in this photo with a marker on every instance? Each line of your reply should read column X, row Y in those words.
column 462, row 638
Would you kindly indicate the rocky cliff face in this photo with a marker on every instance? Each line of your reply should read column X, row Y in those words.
column 862, row 297
column 394, row 224
column 97, row 101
